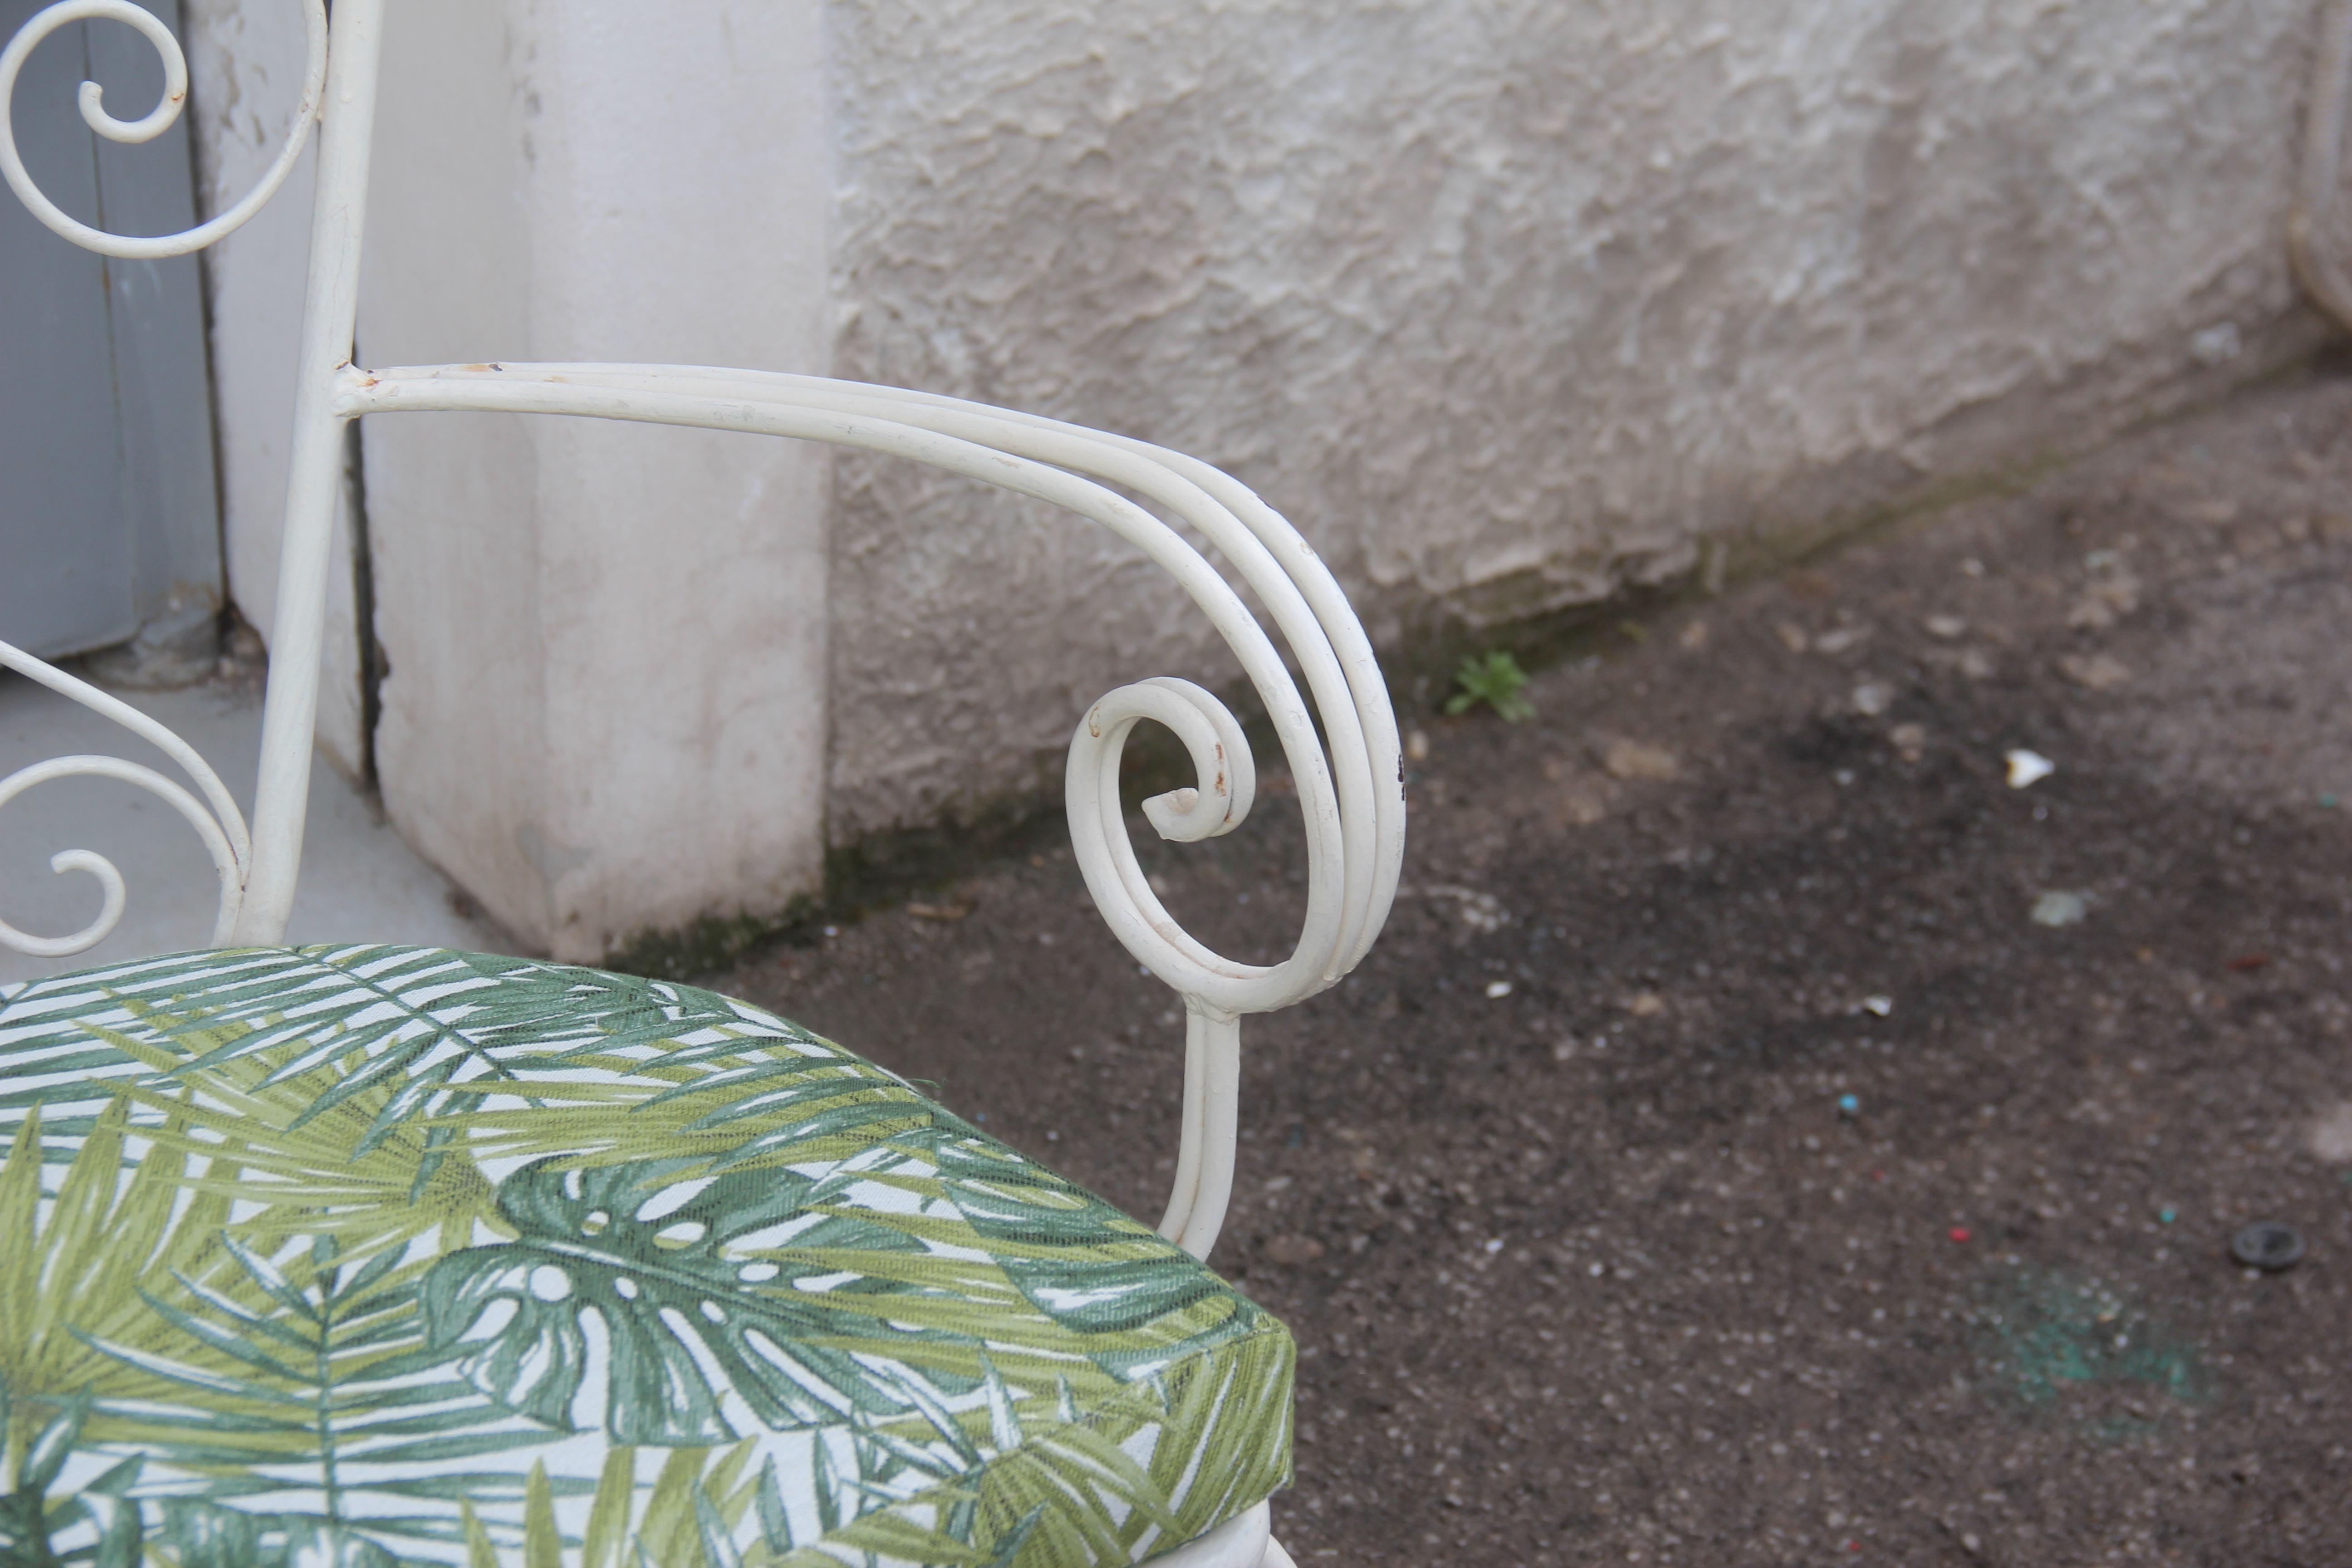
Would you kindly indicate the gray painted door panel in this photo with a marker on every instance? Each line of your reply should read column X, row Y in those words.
column 109, row 516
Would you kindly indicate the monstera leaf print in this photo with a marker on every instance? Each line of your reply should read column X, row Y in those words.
column 686, row 1328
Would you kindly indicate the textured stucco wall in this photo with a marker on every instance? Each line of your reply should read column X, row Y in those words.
column 1508, row 303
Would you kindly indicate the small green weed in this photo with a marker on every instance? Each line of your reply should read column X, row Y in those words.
column 1496, row 680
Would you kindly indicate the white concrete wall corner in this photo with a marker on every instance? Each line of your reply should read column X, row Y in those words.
column 245, row 68
column 604, row 712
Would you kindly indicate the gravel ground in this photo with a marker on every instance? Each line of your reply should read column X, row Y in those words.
column 1715, row 1162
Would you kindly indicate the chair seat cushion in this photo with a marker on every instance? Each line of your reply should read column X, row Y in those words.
column 358, row 1256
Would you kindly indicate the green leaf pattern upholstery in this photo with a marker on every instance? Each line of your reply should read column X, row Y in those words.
column 356, row 1257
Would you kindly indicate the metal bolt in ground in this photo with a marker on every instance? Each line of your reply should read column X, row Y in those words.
column 2268, row 1245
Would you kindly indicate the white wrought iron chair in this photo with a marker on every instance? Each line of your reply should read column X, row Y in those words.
column 369, row 1255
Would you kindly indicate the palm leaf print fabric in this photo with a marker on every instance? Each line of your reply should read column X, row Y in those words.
column 363, row 1256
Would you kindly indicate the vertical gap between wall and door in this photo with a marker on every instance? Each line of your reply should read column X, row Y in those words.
column 371, row 652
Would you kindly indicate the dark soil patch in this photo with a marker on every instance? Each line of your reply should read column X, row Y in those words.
column 1601, row 1269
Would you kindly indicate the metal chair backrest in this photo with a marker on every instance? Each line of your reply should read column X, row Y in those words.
column 1352, row 798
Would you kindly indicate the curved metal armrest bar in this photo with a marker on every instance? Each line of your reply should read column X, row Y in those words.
column 1355, row 826
column 159, row 120
column 815, row 411
column 1299, row 590
column 216, row 818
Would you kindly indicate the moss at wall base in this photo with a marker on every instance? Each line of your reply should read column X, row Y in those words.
column 708, row 945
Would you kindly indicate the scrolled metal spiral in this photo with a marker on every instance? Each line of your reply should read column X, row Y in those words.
column 1220, row 755
column 216, row 818
column 157, row 120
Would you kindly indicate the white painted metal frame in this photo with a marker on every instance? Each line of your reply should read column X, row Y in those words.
column 1352, row 798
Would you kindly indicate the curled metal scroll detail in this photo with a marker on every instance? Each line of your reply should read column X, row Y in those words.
column 157, row 120
column 215, row 817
